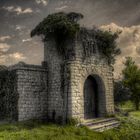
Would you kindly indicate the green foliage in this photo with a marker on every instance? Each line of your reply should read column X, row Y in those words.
column 7, row 94
column 121, row 93
column 103, row 41
column 128, row 130
column 60, row 26
column 37, row 130
column 73, row 121
column 131, row 79
column 106, row 42
column 43, row 131
column 135, row 114
column 126, row 106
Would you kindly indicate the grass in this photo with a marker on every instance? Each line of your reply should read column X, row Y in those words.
column 126, row 106
column 129, row 107
column 130, row 125
column 39, row 131
column 36, row 130
column 33, row 130
column 135, row 114
column 129, row 130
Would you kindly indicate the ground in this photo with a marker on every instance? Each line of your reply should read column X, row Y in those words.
column 35, row 130
column 129, row 107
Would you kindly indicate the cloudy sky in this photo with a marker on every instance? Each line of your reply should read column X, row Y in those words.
column 19, row 17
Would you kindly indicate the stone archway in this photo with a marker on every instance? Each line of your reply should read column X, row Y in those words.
column 94, row 97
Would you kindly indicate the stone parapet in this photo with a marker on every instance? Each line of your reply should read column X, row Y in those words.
column 32, row 91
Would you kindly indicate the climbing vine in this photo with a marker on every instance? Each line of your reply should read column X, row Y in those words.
column 103, row 42
column 8, row 97
column 62, row 26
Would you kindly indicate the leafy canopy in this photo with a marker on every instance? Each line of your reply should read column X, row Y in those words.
column 62, row 26
column 106, row 42
column 131, row 79
column 58, row 24
column 121, row 92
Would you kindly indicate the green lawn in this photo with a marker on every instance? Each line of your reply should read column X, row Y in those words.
column 129, row 130
column 35, row 130
column 135, row 114
column 39, row 131
column 129, row 107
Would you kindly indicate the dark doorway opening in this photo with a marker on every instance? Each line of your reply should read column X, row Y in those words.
column 91, row 107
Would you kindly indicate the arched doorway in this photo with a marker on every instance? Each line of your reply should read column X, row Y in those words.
column 93, row 96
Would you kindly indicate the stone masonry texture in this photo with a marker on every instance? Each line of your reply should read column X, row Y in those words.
column 55, row 90
column 32, row 92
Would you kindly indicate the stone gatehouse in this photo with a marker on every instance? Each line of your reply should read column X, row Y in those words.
column 79, row 85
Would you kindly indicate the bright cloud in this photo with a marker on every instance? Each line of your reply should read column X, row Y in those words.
column 9, row 8
column 44, row 2
column 12, row 58
column 19, row 27
column 4, row 38
column 26, row 40
column 128, row 42
column 9, row 58
column 61, row 8
column 18, row 10
column 4, row 47
column 17, row 56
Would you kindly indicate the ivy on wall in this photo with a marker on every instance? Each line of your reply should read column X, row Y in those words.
column 103, row 42
column 64, row 26
column 60, row 26
column 8, row 96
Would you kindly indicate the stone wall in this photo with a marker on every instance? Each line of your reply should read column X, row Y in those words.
column 80, row 68
column 55, row 80
column 66, row 78
column 56, row 92
column 103, row 76
column 32, row 92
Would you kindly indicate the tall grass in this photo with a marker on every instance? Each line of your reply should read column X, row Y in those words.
column 128, row 130
column 39, row 131
column 35, row 130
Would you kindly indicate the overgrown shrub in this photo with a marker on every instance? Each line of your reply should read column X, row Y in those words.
column 121, row 93
column 131, row 80
column 128, row 130
column 62, row 26
column 106, row 42
column 72, row 121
